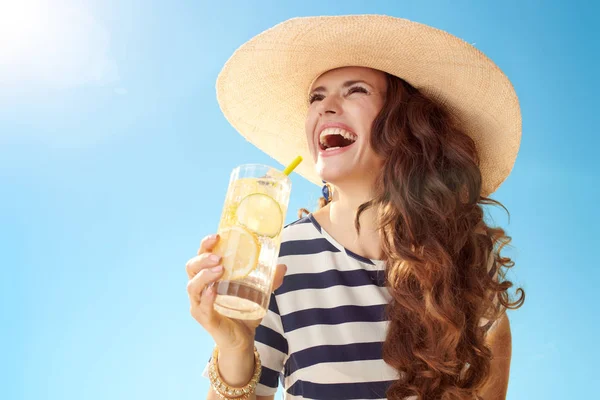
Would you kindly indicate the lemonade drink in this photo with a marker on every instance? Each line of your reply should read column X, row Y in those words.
column 250, row 236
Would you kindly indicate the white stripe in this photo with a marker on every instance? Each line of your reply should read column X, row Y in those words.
column 336, row 335
column 324, row 261
column 272, row 321
column 316, row 263
column 262, row 390
column 332, row 297
column 270, row 357
column 304, row 231
column 345, row 372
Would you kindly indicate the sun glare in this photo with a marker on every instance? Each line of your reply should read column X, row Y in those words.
column 23, row 28
column 57, row 43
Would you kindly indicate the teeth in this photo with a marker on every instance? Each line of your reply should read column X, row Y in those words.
column 332, row 148
column 336, row 131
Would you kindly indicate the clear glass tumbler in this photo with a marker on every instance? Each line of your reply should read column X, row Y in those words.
column 250, row 235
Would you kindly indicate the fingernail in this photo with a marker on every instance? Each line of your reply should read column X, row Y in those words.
column 211, row 237
column 215, row 258
column 217, row 269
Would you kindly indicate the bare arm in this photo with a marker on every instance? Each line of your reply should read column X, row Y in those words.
column 499, row 340
column 234, row 338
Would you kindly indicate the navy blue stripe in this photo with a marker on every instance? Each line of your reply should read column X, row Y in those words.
column 333, row 316
column 345, row 391
column 350, row 253
column 273, row 304
column 306, row 247
column 333, row 353
column 269, row 378
column 271, row 338
column 326, row 279
column 304, row 220
column 359, row 258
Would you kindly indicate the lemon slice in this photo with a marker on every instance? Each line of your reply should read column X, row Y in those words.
column 261, row 214
column 239, row 249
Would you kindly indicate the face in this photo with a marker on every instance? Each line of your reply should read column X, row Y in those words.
column 343, row 104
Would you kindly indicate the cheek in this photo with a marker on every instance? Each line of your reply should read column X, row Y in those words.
column 309, row 128
column 373, row 110
column 364, row 114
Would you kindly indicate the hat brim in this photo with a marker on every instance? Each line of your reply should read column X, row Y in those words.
column 263, row 88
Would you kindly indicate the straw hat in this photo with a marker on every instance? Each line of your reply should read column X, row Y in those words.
column 263, row 88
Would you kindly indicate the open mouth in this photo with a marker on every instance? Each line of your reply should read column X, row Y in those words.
column 335, row 138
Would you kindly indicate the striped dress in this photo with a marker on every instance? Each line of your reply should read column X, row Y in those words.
column 323, row 334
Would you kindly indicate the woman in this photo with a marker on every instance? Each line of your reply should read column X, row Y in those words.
column 395, row 287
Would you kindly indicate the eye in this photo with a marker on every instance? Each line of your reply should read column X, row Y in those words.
column 357, row 89
column 315, row 97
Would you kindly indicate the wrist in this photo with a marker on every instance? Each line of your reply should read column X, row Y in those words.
column 245, row 350
column 236, row 366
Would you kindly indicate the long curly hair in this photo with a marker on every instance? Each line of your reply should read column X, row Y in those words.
column 437, row 249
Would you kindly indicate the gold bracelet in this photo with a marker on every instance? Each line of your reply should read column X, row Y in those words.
column 226, row 392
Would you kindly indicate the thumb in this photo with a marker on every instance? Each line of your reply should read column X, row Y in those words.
column 278, row 279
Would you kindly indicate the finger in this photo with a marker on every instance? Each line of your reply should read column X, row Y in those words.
column 279, row 274
column 197, row 284
column 198, row 263
column 208, row 243
column 208, row 315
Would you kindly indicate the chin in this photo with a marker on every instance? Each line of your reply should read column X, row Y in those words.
column 333, row 173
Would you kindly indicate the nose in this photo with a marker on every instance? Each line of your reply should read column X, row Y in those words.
column 330, row 105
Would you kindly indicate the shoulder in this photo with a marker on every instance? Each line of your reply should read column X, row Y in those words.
column 299, row 221
column 300, row 229
column 304, row 238
column 499, row 341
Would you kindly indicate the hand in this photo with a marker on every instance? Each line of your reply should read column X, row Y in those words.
column 204, row 270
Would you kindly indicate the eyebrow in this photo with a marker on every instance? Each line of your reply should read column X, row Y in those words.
column 345, row 85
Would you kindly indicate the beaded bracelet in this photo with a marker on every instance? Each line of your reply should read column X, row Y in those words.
column 226, row 392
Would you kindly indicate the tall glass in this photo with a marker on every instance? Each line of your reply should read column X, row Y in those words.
column 250, row 235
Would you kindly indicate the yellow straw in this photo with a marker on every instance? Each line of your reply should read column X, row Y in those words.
column 288, row 170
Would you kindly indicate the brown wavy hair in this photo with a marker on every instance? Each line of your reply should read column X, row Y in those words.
column 437, row 249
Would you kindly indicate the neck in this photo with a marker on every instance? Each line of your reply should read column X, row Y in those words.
column 342, row 215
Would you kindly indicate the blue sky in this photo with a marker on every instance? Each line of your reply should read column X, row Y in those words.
column 114, row 161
